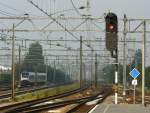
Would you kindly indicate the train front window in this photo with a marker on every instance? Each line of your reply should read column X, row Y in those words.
column 25, row 75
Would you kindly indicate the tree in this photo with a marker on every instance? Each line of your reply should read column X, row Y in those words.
column 109, row 73
column 136, row 63
column 147, row 76
column 34, row 60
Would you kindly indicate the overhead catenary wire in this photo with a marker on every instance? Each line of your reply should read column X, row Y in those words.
column 77, row 11
column 14, row 9
column 56, row 21
column 7, row 6
column 6, row 14
column 52, row 18
column 104, row 40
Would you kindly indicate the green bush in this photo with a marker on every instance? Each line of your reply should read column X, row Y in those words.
column 5, row 78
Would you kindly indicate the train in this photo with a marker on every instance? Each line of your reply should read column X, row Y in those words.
column 33, row 78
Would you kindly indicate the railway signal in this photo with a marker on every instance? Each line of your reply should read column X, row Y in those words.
column 111, row 32
column 112, row 44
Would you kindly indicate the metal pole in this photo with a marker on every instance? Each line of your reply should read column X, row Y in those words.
column 143, row 62
column 54, row 73
column 96, row 68
column 84, row 73
column 69, row 70
column 116, row 78
column 46, row 69
column 124, row 56
column 77, row 72
column 13, row 64
column 88, row 7
column 19, row 65
column 91, row 67
column 134, row 95
column 35, row 68
column 81, row 63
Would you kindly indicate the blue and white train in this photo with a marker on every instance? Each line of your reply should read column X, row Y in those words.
column 31, row 78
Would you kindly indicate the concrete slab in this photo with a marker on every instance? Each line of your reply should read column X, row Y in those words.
column 121, row 108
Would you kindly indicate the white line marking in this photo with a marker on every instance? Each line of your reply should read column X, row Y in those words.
column 106, row 109
column 93, row 109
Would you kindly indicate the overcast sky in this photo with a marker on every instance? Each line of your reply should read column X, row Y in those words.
column 132, row 8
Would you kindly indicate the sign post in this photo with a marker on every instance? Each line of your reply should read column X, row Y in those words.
column 134, row 83
column 134, row 73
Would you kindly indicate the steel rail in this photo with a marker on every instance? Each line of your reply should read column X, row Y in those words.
column 3, row 96
column 56, row 105
column 23, row 105
column 104, row 96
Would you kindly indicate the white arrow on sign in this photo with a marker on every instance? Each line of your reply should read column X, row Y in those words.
column 134, row 82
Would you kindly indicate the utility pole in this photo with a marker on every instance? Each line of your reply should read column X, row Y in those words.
column 35, row 69
column 116, row 77
column 19, row 79
column 143, row 62
column 69, row 70
column 96, row 69
column 81, row 63
column 13, row 63
column 88, row 7
column 124, row 56
column 92, row 66
column 54, row 72
column 84, row 71
column 13, row 60
column 46, row 69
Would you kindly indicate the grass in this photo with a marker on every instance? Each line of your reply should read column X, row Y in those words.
column 148, row 91
column 43, row 93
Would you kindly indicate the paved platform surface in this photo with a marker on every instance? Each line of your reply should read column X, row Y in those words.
column 121, row 108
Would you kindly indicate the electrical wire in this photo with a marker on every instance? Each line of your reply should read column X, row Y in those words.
column 2, row 4
column 8, row 13
column 75, row 7
column 12, row 8
column 9, row 7
column 4, row 14
column 35, row 5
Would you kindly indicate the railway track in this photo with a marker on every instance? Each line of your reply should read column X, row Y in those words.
column 55, row 105
column 7, row 94
column 4, row 88
column 85, row 107
column 20, row 107
column 79, row 103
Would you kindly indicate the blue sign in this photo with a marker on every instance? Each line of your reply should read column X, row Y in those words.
column 134, row 73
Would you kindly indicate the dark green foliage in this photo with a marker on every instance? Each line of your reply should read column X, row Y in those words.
column 136, row 63
column 6, row 78
column 34, row 62
column 109, row 73
column 147, row 76
column 50, row 74
column 59, row 76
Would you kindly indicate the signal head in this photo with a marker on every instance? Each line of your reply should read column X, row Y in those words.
column 111, row 31
column 111, row 23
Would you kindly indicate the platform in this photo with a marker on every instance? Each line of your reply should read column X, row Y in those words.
column 121, row 108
